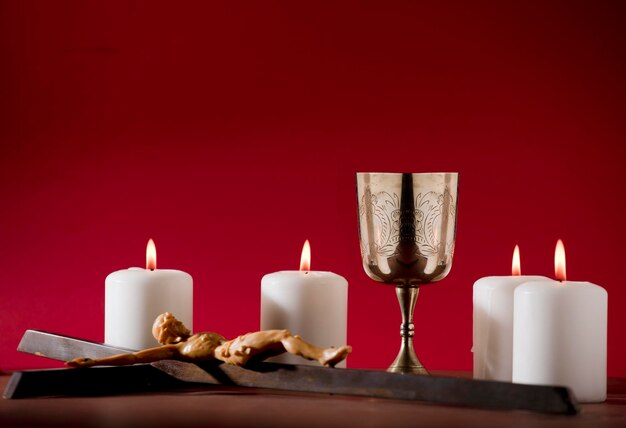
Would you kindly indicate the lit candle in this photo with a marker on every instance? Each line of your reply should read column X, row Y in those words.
column 135, row 297
column 560, row 334
column 311, row 304
column 493, row 322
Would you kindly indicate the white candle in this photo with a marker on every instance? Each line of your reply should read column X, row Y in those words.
column 311, row 304
column 135, row 297
column 560, row 334
column 493, row 322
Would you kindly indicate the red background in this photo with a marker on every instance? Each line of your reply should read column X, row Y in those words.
column 230, row 132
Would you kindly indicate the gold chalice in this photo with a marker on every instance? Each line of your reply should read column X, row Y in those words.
column 407, row 226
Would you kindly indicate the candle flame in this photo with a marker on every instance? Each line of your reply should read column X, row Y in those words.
column 151, row 255
column 516, row 266
column 305, row 259
column 559, row 261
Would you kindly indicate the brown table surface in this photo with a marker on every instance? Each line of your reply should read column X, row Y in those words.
column 226, row 406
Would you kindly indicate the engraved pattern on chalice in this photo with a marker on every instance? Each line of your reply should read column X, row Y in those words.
column 425, row 225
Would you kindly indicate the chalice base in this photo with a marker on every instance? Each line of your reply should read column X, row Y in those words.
column 407, row 362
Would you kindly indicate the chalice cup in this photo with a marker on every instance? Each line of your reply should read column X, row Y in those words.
column 407, row 227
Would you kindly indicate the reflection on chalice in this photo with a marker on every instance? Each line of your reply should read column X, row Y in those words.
column 407, row 226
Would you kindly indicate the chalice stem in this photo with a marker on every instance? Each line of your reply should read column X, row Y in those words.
column 407, row 361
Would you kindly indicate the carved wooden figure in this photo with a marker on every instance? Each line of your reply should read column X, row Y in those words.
column 179, row 344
